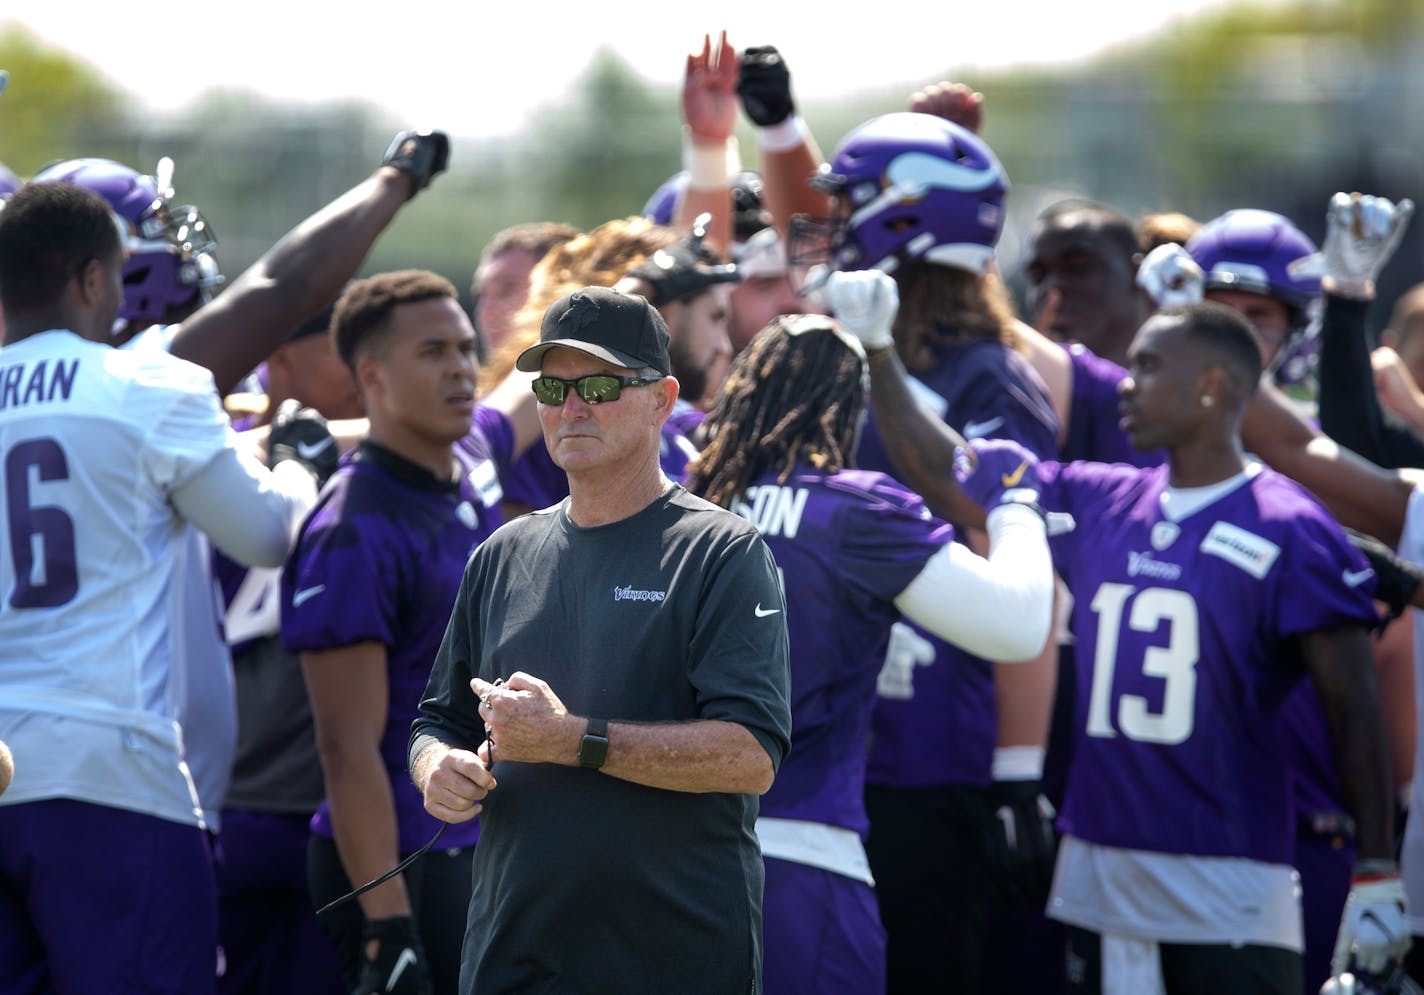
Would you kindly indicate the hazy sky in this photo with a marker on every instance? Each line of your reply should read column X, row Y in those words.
column 474, row 67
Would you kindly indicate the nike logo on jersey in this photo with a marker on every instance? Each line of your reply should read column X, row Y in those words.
column 405, row 960
column 301, row 597
column 977, row 429
column 764, row 612
column 1354, row 578
column 308, row 450
column 1012, row 479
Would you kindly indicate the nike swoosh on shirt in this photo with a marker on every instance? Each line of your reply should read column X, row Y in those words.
column 307, row 450
column 763, row 613
column 1012, row 479
column 975, row 429
column 405, row 960
column 301, row 597
column 1354, row 578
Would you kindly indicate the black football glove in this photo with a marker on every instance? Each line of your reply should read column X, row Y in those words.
column 422, row 155
column 1398, row 579
column 399, row 966
column 1023, row 843
column 764, row 85
column 684, row 269
column 301, row 434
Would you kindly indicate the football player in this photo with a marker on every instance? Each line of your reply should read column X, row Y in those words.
column 855, row 550
column 1204, row 590
column 957, row 748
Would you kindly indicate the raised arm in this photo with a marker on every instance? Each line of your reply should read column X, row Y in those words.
column 306, row 269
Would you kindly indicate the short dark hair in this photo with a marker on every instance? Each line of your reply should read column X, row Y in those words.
column 1115, row 227
column 533, row 237
column 363, row 312
column 1225, row 333
column 48, row 233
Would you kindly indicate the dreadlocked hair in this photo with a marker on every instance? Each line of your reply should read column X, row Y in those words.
column 789, row 399
column 941, row 305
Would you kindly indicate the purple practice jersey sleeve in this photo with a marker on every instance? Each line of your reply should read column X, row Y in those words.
column 1183, row 632
column 380, row 560
column 946, row 732
column 1093, row 432
column 846, row 545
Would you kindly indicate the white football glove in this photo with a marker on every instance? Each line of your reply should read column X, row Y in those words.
column 865, row 303
column 906, row 651
column 1361, row 233
column 1170, row 276
column 1373, row 935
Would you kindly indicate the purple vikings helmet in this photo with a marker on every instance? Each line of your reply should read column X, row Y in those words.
column 1261, row 252
column 915, row 187
column 171, row 264
column 9, row 182
column 748, row 213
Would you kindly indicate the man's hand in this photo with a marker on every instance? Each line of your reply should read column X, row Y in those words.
column 1373, row 934
column 906, row 650
column 1361, row 233
column 1023, row 842
column 1170, row 276
column 765, row 86
column 682, row 270
column 987, row 469
column 398, row 964
column 527, row 722
column 456, row 785
column 954, row 102
column 709, row 98
column 1397, row 580
column 301, row 434
column 422, row 155
column 865, row 303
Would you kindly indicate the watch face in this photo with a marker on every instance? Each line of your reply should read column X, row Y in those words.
column 592, row 750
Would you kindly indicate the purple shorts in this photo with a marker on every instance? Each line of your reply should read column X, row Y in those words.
column 272, row 943
column 821, row 933
column 100, row 899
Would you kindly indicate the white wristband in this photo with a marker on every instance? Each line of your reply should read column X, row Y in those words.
column 782, row 137
column 1017, row 763
column 710, row 167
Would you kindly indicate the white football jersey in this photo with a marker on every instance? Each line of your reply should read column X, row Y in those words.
column 92, row 442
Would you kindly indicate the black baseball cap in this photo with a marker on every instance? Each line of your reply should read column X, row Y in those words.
column 622, row 329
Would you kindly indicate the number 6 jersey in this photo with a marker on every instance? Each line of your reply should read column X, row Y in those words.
column 92, row 442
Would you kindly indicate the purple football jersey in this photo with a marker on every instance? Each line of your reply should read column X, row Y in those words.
column 946, row 733
column 846, row 545
column 380, row 559
column 1093, row 432
column 1182, row 664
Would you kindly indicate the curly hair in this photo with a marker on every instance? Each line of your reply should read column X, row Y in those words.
column 599, row 258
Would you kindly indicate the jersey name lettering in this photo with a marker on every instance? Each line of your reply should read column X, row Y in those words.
column 773, row 509
column 44, row 383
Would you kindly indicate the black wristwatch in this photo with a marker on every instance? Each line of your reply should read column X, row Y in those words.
column 594, row 748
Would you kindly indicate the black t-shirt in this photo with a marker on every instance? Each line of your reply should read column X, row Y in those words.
column 584, row 882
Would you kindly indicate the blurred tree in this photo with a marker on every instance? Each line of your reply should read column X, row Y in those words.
column 56, row 106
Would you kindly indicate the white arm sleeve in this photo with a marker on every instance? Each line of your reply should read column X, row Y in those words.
column 249, row 512
column 998, row 608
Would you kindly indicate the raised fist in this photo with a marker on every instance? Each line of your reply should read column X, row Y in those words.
column 422, row 155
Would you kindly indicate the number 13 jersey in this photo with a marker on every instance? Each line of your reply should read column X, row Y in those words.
column 1185, row 602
